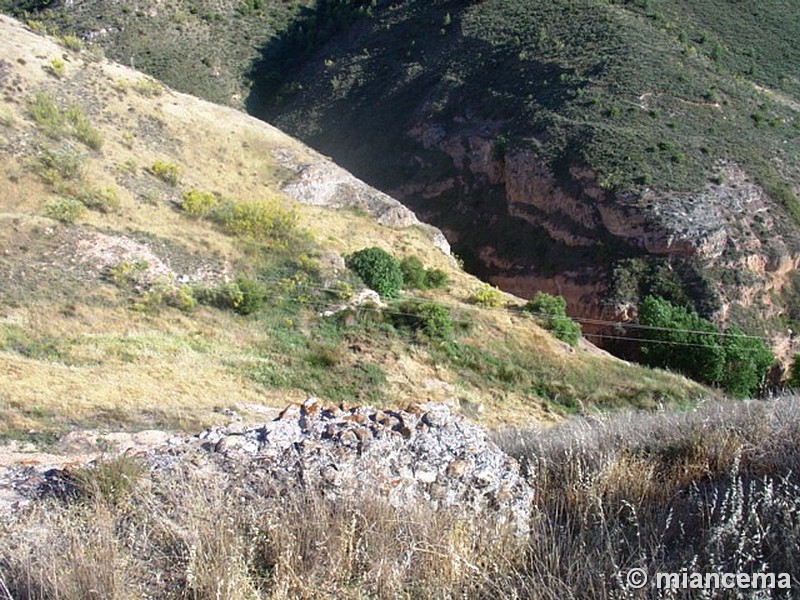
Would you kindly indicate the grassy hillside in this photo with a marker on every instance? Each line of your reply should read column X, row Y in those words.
column 613, row 98
column 141, row 223
column 225, row 37
column 646, row 93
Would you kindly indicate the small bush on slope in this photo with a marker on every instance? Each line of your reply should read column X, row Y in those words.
column 551, row 311
column 416, row 276
column 379, row 270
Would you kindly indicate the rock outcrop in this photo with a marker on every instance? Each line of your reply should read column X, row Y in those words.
column 730, row 224
column 423, row 455
column 323, row 183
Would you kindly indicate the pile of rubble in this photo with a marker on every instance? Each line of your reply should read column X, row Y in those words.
column 423, row 455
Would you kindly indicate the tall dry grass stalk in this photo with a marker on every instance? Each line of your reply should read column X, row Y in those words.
column 712, row 490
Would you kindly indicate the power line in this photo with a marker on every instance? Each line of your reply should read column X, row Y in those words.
column 643, row 340
column 586, row 320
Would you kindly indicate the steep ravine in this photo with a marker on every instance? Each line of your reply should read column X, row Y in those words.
column 520, row 228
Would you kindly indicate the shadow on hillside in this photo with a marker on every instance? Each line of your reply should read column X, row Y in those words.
column 287, row 52
column 351, row 86
column 393, row 67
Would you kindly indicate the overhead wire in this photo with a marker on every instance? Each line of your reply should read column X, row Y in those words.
column 586, row 320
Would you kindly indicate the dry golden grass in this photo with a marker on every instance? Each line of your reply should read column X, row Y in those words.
column 606, row 499
column 191, row 538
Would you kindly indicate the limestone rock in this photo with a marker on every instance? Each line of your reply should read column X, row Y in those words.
column 422, row 455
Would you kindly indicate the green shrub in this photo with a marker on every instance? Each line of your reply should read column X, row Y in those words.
column 435, row 278
column 166, row 293
column 488, row 296
column 82, row 129
column 36, row 26
column 167, row 172
column 58, row 123
column 57, row 164
column 253, row 296
column 199, row 204
column 413, row 272
column 225, row 295
column 565, row 329
column 429, row 318
column 56, row 67
column 103, row 200
column 71, row 42
column 324, row 355
column 66, row 210
column 416, row 276
column 127, row 272
column 342, row 290
column 180, row 297
column 379, row 270
column 551, row 312
column 147, row 87
column 243, row 296
column 264, row 221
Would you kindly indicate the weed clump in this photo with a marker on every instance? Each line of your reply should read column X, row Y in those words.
column 111, row 481
column 265, row 221
column 199, row 204
column 416, row 276
column 58, row 123
column 244, row 296
column 147, row 87
column 71, row 42
column 104, row 200
column 55, row 165
column 56, row 67
column 166, row 172
column 488, row 296
column 262, row 221
column 66, row 210
column 427, row 318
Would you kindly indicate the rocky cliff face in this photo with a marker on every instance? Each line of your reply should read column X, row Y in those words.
column 730, row 225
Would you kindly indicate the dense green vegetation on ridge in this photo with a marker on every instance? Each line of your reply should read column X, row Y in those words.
column 647, row 93
column 201, row 47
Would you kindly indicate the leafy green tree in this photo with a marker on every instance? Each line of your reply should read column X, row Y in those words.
column 747, row 362
column 681, row 340
column 551, row 312
column 379, row 270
